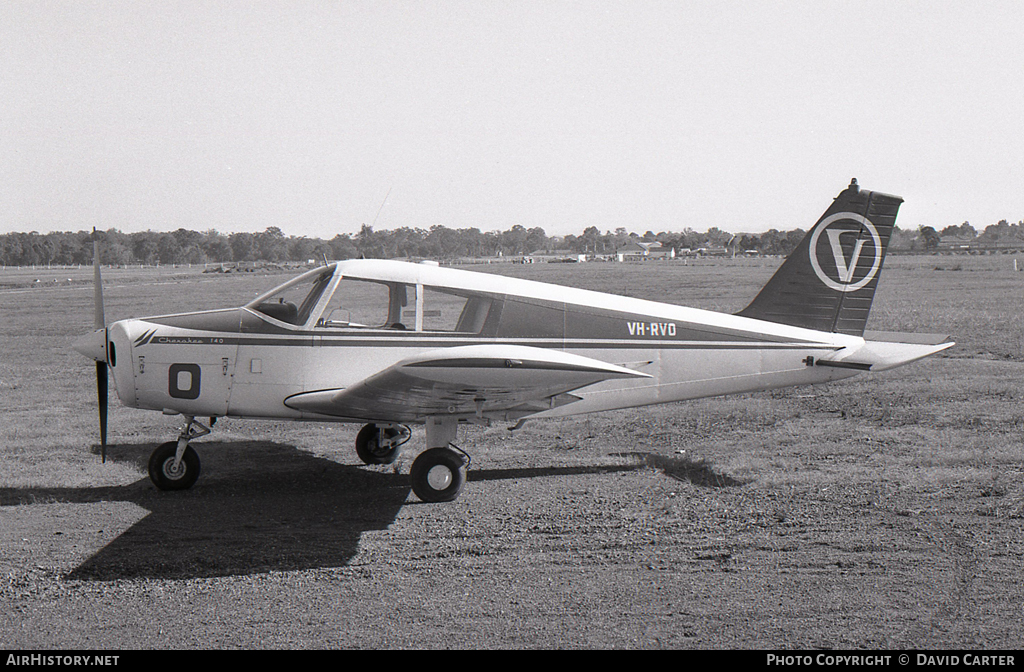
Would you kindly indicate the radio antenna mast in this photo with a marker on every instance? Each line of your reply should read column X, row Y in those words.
column 381, row 207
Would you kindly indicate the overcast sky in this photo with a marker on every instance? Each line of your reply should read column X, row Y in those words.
column 649, row 115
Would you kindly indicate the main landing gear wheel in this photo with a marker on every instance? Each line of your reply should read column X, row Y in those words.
column 163, row 472
column 379, row 445
column 438, row 475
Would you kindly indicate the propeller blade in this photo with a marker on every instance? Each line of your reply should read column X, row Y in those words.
column 99, row 321
column 97, row 284
column 101, row 388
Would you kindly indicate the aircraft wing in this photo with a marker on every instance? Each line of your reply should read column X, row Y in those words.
column 474, row 380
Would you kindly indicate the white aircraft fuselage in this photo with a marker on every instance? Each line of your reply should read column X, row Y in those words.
column 241, row 362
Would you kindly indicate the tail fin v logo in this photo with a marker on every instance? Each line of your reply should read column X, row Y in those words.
column 846, row 270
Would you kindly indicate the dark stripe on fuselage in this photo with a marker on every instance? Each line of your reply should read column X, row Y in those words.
column 308, row 341
column 519, row 319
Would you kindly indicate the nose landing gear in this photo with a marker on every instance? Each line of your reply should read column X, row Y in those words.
column 175, row 465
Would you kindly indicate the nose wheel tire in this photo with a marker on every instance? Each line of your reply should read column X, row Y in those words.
column 438, row 475
column 165, row 475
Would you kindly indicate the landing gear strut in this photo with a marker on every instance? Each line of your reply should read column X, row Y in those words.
column 379, row 445
column 175, row 465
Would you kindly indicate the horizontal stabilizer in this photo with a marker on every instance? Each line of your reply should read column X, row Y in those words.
column 882, row 355
column 906, row 337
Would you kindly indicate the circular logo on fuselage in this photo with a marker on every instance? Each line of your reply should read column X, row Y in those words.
column 844, row 259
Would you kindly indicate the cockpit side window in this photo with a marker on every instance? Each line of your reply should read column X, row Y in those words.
column 364, row 304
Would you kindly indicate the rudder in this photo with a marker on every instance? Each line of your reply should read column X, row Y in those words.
column 828, row 282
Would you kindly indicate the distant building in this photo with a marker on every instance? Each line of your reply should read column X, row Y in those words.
column 954, row 244
column 712, row 251
column 957, row 245
column 636, row 250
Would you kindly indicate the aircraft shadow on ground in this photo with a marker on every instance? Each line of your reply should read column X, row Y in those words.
column 258, row 506
column 686, row 469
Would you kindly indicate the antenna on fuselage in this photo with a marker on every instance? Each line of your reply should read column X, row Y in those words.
column 381, row 207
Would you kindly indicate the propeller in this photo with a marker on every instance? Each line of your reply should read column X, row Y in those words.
column 101, row 390
column 94, row 345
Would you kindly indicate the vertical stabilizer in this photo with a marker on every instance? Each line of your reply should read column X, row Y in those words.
column 829, row 280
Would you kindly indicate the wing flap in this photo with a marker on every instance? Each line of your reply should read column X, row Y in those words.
column 465, row 380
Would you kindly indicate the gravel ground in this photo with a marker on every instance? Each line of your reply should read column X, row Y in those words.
column 573, row 545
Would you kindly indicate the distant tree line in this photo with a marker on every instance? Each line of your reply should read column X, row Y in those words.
column 272, row 245
column 439, row 242
column 929, row 239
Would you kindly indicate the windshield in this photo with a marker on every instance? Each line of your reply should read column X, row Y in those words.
column 293, row 301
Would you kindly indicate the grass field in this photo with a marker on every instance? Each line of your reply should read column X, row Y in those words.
column 883, row 511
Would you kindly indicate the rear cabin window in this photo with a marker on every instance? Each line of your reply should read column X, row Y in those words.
column 447, row 311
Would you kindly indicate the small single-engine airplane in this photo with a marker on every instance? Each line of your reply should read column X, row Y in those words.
column 392, row 344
